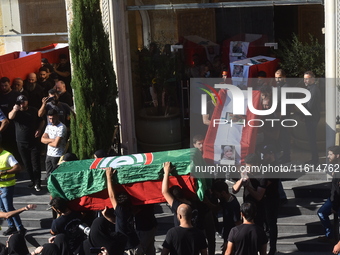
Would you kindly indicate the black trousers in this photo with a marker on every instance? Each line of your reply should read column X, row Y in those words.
column 30, row 155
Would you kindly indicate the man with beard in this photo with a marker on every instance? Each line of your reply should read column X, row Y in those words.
column 64, row 95
column 63, row 69
column 43, row 80
column 34, row 91
column 28, row 129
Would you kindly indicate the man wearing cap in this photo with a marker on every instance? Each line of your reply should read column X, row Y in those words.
column 28, row 129
column 55, row 138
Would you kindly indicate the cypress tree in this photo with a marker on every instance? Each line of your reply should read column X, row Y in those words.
column 93, row 81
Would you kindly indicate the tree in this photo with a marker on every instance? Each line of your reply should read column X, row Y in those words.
column 298, row 57
column 93, row 81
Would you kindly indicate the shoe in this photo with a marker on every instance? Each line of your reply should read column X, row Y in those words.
column 31, row 185
column 22, row 231
column 37, row 187
column 324, row 239
column 10, row 231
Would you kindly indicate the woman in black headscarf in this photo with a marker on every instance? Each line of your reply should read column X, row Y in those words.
column 103, row 234
column 16, row 245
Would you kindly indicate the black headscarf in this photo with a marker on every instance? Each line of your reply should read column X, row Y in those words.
column 17, row 245
column 50, row 249
column 103, row 234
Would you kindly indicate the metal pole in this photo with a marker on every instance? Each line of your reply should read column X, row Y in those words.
column 330, row 66
column 37, row 34
column 222, row 5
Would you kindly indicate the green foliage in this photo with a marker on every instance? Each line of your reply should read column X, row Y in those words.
column 93, row 81
column 297, row 57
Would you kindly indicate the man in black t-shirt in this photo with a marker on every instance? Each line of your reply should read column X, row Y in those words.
column 124, row 218
column 64, row 95
column 271, row 197
column 8, row 98
column 247, row 238
column 28, row 129
column 230, row 209
column 67, row 223
column 184, row 239
column 43, row 80
column 254, row 188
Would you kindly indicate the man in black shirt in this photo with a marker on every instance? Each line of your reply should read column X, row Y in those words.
column 254, row 188
column 34, row 91
column 28, row 129
column 271, row 197
column 64, row 95
column 247, row 238
column 67, row 223
column 123, row 211
column 184, row 239
column 230, row 208
column 43, row 80
column 8, row 98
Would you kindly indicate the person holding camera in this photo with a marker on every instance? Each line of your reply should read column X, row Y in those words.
column 52, row 102
column 28, row 129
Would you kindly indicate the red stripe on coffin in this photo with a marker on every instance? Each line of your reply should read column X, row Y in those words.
column 149, row 192
column 248, row 139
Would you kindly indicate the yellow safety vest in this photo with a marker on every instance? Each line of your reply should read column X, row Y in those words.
column 6, row 180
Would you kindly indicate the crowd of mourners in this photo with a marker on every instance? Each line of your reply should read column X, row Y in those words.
column 35, row 120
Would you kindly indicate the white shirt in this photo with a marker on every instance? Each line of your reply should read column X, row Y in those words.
column 54, row 132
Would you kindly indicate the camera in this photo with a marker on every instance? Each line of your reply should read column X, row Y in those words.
column 50, row 99
column 95, row 250
column 85, row 229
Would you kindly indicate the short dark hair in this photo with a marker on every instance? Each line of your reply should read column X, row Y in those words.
column 45, row 60
column 197, row 138
column 52, row 112
column 220, row 186
column 52, row 91
column 252, row 159
column 262, row 74
column 248, row 210
column 59, row 204
column 4, row 80
column 101, row 153
column 281, row 71
column 310, row 73
column 70, row 157
column 176, row 191
column 43, row 69
column 334, row 149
